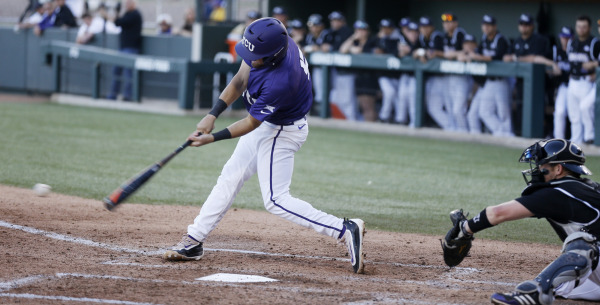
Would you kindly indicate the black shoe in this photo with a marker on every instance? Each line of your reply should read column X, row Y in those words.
column 355, row 231
column 526, row 294
column 186, row 250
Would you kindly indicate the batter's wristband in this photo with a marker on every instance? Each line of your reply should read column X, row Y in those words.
column 222, row 135
column 479, row 222
column 218, row 108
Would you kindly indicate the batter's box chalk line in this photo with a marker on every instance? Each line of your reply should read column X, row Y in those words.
column 91, row 243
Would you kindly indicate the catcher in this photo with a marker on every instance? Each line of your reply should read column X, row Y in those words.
column 571, row 204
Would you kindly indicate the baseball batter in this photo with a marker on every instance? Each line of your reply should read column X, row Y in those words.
column 275, row 83
column 556, row 191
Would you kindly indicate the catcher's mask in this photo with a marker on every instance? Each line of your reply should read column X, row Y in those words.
column 554, row 151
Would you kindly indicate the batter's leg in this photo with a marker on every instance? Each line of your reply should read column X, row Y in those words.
column 239, row 168
column 275, row 168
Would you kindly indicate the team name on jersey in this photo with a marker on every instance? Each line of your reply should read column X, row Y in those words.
column 578, row 57
column 247, row 44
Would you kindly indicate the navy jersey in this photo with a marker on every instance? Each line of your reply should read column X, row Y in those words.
column 435, row 41
column 336, row 37
column 536, row 44
column 569, row 204
column 454, row 42
column 496, row 48
column 280, row 94
column 562, row 60
column 580, row 52
column 316, row 40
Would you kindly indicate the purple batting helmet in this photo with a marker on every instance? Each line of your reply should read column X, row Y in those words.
column 264, row 38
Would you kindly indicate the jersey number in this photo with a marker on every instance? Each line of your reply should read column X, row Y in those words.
column 304, row 63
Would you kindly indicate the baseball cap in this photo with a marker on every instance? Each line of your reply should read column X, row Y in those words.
column 488, row 19
column 525, row 19
column 566, row 32
column 314, row 19
column 254, row 15
column 424, row 21
column 335, row 15
column 449, row 17
column 386, row 23
column 404, row 22
column 295, row 24
column 278, row 10
column 470, row 38
column 413, row 26
column 166, row 18
column 359, row 24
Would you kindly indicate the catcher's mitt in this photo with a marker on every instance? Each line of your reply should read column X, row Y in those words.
column 457, row 243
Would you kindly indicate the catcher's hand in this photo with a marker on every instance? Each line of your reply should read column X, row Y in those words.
column 457, row 242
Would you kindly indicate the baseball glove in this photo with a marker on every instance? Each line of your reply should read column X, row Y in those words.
column 457, row 243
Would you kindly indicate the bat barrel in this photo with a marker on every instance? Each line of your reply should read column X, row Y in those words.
column 108, row 204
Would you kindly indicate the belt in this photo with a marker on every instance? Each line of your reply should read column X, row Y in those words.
column 296, row 125
column 580, row 77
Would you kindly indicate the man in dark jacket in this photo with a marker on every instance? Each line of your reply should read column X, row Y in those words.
column 131, row 43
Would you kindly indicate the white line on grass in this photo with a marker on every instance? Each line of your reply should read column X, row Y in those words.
column 68, row 299
column 92, row 243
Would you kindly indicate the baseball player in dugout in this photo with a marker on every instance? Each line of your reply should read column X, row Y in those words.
column 583, row 51
column 494, row 97
column 431, row 45
column 557, row 191
column 458, row 85
column 275, row 84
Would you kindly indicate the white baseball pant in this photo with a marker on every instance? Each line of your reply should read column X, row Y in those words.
column 587, row 114
column 473, row 118
column 438, row 105
column 588, row 289
column 576, row 105
column 390, row 99
column 343, row 94
column 560, row 111
column 494, row 109
column 269, row 151
column 407, row 97
column 458, row 87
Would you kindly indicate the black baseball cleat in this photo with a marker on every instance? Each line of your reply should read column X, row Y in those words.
column 353, row 237
column 187, row 249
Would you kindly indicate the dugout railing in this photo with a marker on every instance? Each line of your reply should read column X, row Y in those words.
column 532, row 125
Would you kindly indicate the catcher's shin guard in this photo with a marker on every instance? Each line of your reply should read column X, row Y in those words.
column 579, row 255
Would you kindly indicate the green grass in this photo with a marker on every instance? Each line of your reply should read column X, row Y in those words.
column 394, row 183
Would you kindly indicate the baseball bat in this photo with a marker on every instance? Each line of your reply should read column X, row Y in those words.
column 134, row 183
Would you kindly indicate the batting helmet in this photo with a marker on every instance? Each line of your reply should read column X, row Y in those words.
column 264, row 38
column 553, row 151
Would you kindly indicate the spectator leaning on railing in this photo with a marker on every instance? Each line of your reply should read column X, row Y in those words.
column 61, row 16
column 298, row 32
column 40, row 12
column 312, row 43
column 469, row 47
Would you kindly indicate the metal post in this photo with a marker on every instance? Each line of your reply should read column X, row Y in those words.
column 135, row 84
column 419, row 97
column 56, row 71
column 96, row 80
column 533, row 103
column 325, row 109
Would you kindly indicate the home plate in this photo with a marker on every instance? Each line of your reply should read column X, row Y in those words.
column 235, row 278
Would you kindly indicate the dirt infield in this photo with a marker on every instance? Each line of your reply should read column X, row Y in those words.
column 66, row 250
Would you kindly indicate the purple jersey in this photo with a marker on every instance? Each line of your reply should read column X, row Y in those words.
column 281, row 94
